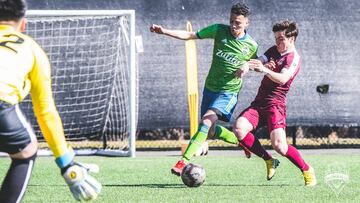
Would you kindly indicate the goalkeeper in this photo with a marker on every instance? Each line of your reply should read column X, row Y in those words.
column 25, row 69
column 233, row 47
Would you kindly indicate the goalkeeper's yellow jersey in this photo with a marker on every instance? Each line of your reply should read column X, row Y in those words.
column 24, row 68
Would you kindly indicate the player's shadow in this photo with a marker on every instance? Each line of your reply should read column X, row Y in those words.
column 205, row 185
column 118, row 185
column 251, row 185
column 146, row 185
column 159, row 185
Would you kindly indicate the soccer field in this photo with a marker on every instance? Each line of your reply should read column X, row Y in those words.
column 229, row 179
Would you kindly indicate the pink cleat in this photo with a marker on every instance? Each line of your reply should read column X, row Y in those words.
column 178, row 168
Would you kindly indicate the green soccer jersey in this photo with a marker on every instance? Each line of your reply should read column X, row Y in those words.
column 228, row 55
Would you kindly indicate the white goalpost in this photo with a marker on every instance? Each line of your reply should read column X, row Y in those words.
column 92, row 53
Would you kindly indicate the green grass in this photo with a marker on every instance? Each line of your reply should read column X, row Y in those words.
column 229, row 179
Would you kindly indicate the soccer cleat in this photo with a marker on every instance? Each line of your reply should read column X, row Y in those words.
column 309, row 177
column 246, row 150
column 271, row 165
column 178, row 168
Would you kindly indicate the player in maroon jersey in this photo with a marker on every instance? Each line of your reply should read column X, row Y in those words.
column 282, row 64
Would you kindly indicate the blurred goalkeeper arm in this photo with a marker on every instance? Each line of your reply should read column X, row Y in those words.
column 76, row 175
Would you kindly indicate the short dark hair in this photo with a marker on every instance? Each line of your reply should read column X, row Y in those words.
column 240, row 9
column 290, row 27
column 12, row 10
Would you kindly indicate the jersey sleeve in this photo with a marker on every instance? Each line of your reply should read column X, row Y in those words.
column 45, row 109
column 291, row 63
column 254, row 55
column 208, row 32
column 267, row 55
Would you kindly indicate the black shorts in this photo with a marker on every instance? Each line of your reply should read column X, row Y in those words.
column 15, row 132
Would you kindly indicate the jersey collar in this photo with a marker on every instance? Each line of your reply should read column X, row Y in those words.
column 6, row 27
column 288, row 51
column 243, row 37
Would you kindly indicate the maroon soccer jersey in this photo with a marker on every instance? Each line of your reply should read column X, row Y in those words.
column 271, row 93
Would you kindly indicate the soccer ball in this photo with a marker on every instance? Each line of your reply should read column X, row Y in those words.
column 193, row 175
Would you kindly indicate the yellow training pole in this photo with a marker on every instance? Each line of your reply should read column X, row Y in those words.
column 192, row 90
column 192, row 82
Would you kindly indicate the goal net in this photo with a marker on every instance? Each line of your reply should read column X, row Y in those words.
column 92, row 54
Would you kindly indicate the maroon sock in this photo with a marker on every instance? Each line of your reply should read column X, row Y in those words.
column 255, row 147
column 294, row 156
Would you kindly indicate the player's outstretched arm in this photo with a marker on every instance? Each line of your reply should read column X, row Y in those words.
column 178, row 34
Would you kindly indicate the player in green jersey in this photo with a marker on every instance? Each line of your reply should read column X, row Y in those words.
column 233, row 47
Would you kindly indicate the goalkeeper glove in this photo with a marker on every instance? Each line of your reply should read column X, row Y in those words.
column 82, row 185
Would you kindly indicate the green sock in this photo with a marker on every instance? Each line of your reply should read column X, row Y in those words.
column 196, row 141
column 226, row 135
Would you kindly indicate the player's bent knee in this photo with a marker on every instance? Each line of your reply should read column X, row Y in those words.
column 211, row 132
column 280, row 148
column 209, row 120
column 27, row 152
column 240, row 132
column 241, row 128
column 25, row 159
